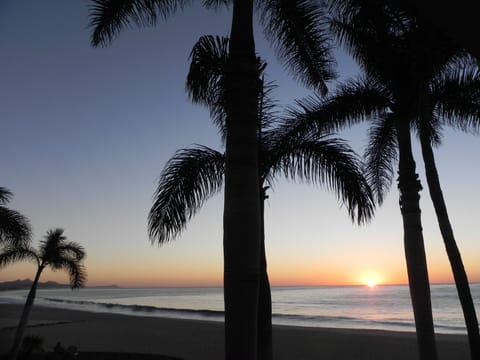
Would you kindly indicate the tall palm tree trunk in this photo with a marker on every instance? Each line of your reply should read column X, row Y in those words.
column 456, row 263
column 17, row 341
column 409, row 187
column 265, row 340
column 241, row 220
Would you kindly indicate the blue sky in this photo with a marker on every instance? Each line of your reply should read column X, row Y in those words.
column 87, row 131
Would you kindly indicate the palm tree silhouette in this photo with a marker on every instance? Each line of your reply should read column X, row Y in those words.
column 399, row 56
column 453, row 99
column 54, row 252
column 14, row 227
column 195, row 174
column 294, row 28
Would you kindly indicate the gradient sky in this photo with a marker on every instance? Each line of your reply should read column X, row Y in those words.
column 86, row 132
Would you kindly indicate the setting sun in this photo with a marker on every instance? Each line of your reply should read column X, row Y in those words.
column 370, row 279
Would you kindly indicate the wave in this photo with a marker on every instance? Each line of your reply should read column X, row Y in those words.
column 140, row 308
column 316, row 320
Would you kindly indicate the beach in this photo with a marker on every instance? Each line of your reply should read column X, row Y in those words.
column 202, row 340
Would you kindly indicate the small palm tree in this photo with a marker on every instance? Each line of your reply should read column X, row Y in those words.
column 54, row 252
column 14, row 227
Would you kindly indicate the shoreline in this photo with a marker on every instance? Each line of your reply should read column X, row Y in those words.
column 203, row 339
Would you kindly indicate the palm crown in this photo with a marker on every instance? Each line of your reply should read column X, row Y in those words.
column 195, row 174
column 54, row 252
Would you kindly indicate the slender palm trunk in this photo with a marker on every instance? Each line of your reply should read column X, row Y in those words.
column 265, row 343
column 241, row 220
column 409, row 187
column 17, row 341
column 456, row 263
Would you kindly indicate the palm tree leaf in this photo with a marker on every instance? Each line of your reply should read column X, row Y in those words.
column 15, row 253
column 189, row 178
column 328, row 162
column 205, row 77
column 268, row 105
column 110, row 17
column 298, row 31
column 381, row 156
column 76, row 271
column 14, row 227
column 5, row 195
column 352, row 103
column 72, row 250
column 362, row 25
column 216, row 4
column 456, row 95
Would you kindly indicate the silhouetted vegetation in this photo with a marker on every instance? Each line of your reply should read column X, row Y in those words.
column 295, row 28
column 14, row 227
column 193, row 175
column 54, row 252
column 403, row 61
column 410, row 81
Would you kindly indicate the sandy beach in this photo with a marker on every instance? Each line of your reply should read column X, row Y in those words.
column 202, row 340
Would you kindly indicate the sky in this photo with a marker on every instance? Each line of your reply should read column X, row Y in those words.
column 86, row 132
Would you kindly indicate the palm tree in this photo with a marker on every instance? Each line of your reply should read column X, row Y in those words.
column 293, row 27
column 193, row 175
column 447, row 94
column 14, row 227
column 54, row 252
column 390, row 47
column 452, row 99
column 205, row 85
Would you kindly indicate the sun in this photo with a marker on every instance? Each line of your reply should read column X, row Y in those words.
column 371, row 283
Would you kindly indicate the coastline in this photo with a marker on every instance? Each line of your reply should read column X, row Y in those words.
column 198, row 339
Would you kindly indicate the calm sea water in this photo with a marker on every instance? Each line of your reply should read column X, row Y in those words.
column 382, row 307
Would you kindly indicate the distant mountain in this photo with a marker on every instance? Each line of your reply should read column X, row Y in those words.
column 27, row 284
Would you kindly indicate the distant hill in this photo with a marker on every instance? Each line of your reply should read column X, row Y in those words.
column 27, row 284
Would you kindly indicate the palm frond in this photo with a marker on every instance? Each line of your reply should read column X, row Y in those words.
column 189, row 178
column 381, row 156
column 456, row 95
column 14, row 227
column 268, row 105
column 76, row 271
column 381, row 37
column 216, row 4
column 205, row 77
column 72, row 250
column 328, row 162
column 298, row 30
column 14, row 253
column 5, row 195
column 109, row 17
column 352, row 103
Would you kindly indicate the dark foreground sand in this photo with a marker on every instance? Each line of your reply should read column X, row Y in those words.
column 202, row 340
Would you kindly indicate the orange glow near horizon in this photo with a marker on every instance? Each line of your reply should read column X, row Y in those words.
column 150, row 274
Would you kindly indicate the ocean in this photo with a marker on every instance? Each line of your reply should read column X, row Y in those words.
column 385, row 307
